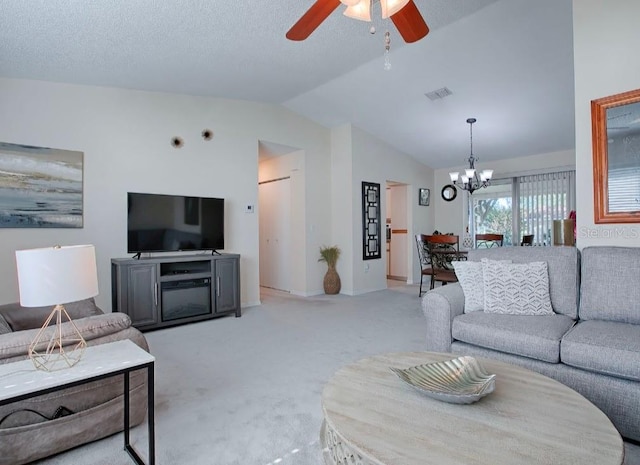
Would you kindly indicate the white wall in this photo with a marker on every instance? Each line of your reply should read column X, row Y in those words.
column 371, row 160
column 125, row 136
column 451, row 217
column 342, row 207
column 605, row 39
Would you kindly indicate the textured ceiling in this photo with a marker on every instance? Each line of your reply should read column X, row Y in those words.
column 509, row 63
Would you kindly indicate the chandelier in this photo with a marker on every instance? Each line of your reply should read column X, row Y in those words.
column 361, row 9
column 471, row 180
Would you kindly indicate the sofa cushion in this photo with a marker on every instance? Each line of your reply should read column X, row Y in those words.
column 605, row 347
column 516, row 288
column 470, row 277
column 21, row 318
column 93, row 327
column 562, row 265
column 536, row 337
column 610, row 288
column 4, row 326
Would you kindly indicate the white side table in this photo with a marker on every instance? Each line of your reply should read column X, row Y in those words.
column 20, row 380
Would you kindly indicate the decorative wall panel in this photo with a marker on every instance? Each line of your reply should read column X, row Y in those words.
column 371, row 237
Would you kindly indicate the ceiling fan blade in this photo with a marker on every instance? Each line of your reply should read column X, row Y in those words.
column 410, row 23
column 314, row 16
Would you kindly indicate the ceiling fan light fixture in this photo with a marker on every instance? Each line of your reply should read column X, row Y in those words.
column 403, row 13
column 361, row 10
column 391, row 7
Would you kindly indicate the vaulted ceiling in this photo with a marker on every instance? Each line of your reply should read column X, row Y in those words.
column 508, row 63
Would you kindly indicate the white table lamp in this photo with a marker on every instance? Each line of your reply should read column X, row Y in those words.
column 56, row 276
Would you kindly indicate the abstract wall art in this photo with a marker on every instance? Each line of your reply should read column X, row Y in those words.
column 40, row 187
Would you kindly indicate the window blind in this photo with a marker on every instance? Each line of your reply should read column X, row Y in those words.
column 543, row 198
column 624, row 189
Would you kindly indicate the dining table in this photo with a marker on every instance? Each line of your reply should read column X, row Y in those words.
column 442, row 257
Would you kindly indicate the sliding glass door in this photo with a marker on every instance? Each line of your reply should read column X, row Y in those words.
column 523, row 205
column 492, row 209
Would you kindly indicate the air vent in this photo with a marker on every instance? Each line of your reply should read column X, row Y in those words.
column 438, row 94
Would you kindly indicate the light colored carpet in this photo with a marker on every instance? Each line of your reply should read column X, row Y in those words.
column 246, row 391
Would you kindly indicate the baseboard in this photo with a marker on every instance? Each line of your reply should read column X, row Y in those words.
column 307, row 294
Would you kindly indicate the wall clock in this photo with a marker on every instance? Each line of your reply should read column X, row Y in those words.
column 449, row 192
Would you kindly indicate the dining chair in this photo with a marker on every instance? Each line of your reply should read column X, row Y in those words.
column 527, row 239
column 443, row 249
column 426, row 269
column 488, row 241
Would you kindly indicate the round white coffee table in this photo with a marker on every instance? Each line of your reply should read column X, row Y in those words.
column 371, row 417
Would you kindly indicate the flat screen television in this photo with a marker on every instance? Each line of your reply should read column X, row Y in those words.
column 168, row 223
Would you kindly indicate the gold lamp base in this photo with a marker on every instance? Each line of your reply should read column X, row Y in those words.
column 52, row 350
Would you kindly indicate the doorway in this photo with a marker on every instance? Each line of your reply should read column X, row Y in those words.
column 281, row 218
column 274, row 206
column 397, row 231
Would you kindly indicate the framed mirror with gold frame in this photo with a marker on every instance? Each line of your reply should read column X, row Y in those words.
column 615, row 124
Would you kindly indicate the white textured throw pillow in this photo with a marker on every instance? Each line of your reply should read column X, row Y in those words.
column 516, row 288
column 470, row 277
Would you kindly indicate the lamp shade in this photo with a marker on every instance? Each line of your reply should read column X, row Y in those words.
column 391, row 7
column 56, row 275
column 361, row 10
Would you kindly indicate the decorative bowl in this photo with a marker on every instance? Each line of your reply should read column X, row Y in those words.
column 461, row 380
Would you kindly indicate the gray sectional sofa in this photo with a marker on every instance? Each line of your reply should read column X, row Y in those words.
column 591, row 342
column 52, row 423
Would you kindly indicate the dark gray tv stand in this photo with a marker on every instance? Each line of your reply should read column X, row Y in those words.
column 158, row 292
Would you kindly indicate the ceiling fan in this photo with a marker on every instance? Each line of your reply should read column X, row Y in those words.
column 403, row 13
